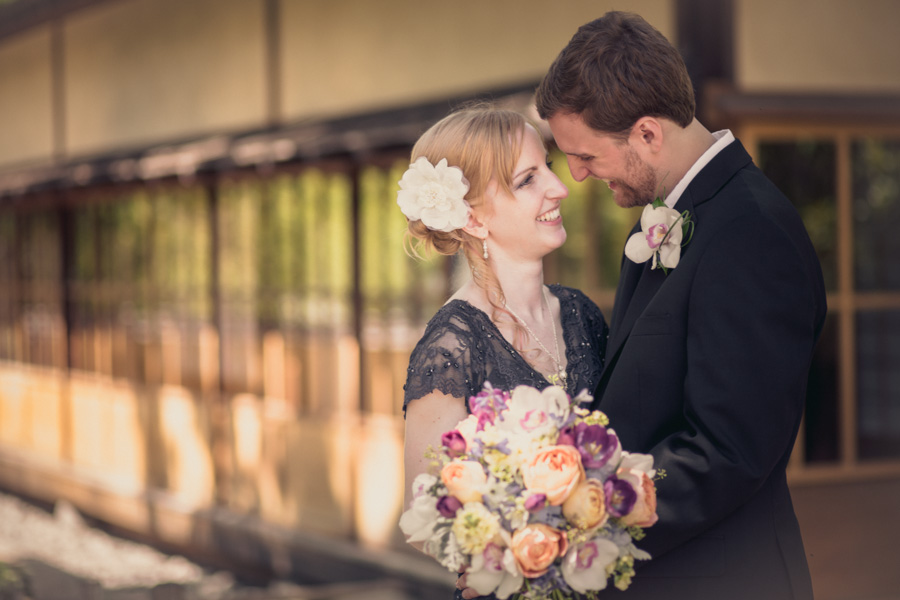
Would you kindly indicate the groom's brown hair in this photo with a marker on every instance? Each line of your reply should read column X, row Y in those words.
column 615, row 70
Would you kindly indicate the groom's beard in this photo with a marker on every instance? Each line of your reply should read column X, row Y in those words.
column 640, row 189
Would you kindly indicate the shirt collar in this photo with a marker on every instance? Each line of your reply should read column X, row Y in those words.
column 723, row 138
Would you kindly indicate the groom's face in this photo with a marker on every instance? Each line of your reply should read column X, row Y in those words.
column 591, row 153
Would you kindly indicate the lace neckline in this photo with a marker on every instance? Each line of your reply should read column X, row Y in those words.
column 563, row 300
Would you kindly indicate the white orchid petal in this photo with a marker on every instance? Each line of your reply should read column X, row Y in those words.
column 649, row 218
column 584, row 567
column 669, row 255
column 418, row 522
column 481, row 577
column 636, row 248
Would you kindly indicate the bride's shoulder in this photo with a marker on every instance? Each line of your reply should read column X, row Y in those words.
column 568, row 293
column 455, row 314
column 576, row 298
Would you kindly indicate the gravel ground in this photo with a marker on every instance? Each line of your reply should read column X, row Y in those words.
column 62, row 539
column 66, row 542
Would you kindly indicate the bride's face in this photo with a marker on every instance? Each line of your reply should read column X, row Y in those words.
column 527, row 224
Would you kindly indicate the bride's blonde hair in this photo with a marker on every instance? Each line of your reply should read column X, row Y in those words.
column 485, row 142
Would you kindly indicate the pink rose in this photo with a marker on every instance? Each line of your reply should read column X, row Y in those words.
column 644, row 512
column 464, row 479
column 554, row 471
column 585, row 508
column 536, row 546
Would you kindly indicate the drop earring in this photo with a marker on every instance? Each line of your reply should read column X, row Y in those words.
column 484, row 246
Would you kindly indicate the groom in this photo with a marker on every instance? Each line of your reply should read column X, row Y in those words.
column 706, row 364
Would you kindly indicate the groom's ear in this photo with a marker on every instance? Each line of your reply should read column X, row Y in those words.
column 647, row 134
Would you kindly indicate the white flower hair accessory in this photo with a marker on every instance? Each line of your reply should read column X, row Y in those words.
column 664, row 231
column 434, row 194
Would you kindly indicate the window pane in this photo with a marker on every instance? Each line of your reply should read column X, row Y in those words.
column 878, row 383
column 805, row 171
column 876, row 211
column 821, row 420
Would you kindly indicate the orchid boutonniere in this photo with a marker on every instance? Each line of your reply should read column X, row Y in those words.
column 664, row 231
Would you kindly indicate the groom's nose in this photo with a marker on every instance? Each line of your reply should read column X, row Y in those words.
column 579, row 172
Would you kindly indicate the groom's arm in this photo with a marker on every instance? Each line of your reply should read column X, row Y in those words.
column 751, row 328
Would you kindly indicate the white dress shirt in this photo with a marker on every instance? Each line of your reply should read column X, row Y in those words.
column 723, row 138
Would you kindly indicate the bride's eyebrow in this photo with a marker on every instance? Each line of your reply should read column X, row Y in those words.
column 523, row 171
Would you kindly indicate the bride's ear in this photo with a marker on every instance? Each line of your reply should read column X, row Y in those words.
column 475, row 228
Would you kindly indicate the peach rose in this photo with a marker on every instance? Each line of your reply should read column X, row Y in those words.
column 585, row 508
column 554, row 471
column 464, row 479
column 644, row 512
column 536, row 546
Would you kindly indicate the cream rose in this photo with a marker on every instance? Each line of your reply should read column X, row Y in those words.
column 585, row 507
column 464, row 479
column 536, row 546
column 644, row 512
column 553, row 471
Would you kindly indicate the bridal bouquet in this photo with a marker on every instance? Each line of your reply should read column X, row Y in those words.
column 533, row 495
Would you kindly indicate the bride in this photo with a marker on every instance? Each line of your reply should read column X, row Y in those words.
column 480, row 183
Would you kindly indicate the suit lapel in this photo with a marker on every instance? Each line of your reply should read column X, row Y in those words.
column 629, row 275
column 637, row 282
column 648, row 282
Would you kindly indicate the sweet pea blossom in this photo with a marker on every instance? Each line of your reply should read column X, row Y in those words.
column 536, row 502
column 494, row 570
column 660, row 237
column 434, row 194
column 536, row 412
column 584, row 567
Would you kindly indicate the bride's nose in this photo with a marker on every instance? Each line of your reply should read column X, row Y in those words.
column 558, row 189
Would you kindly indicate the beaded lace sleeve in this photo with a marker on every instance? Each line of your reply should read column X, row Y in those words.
column 443, row 360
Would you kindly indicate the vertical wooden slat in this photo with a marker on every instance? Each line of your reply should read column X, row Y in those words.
column 272, row 40
column 58, row 88
column 846, row 305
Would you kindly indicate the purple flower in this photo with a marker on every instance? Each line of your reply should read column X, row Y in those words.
column 620, row 496
column 448, row 505
column 487, row 404
column 454, row 442
column 595, row 444
column 536, row 502
column 566, row 437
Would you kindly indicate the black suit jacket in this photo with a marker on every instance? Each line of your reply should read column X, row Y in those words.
column 707, row 370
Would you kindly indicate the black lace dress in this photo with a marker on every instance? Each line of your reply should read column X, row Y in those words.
column 462, row 349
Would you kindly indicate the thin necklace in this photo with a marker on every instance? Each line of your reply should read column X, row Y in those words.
column 560, row 372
